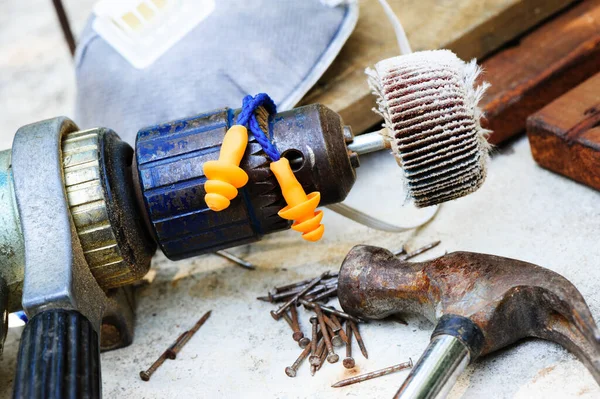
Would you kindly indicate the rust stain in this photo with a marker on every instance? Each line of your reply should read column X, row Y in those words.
column 207, row 287
column 350, row 372
column 542, row 373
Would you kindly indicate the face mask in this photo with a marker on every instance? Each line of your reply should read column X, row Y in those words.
column 280, row 47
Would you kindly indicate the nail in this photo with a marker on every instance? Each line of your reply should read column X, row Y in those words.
column 238, row 261
column 319, row 288
column 313, row 342
column 343, row 335
column 291, row 371
column 189, row 334
column 170, row 353
column 174, row 348
column 276, row 314
column 349, row 360
column 374, row 374
column 282, row 296
column 322, row 356
column 419, row 251
column 328, row 309
column 298, row 334
column 336, row 340
column 359, row 339
column 400, row 251
column 301, row 283
column 331, row 357
column 326, row 294
column 145, row 375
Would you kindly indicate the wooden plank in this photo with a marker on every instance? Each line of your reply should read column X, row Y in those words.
column 565, row 135
column 471, row 28
column 545, row 64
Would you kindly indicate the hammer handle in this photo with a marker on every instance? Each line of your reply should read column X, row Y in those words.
column 59, row 357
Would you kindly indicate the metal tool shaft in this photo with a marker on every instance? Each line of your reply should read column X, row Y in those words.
column 369, row 142
column 437, row 370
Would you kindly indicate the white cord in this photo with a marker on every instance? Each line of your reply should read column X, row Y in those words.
column 403, row 43
column 378, row 224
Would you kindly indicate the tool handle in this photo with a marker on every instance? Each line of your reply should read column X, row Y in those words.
column 59, row 357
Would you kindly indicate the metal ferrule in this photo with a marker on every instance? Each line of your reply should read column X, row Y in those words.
column 437, row 370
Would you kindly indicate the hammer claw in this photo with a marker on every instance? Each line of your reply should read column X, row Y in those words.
column 499, row 301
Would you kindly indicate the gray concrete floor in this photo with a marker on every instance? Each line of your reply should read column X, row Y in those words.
column 522, row 212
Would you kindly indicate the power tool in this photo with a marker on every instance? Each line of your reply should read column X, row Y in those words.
column 82, row 215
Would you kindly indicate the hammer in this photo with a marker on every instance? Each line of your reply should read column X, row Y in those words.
column 480, row 303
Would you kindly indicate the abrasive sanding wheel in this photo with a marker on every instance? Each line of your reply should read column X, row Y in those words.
column 429, row 103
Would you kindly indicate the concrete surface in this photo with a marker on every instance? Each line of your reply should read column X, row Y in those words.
column 522, row 211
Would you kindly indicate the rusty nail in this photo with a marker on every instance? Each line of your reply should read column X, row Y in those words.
column 145, row 375
column 298, row 334
column 276, row 314
column 327, row 309
column 374, row 374
column 359, row 339
column 301, row 283
column 322, row 356
column 189, row 334
column 418, row 251
column 291, row 371
column 174, row 348
column 313, row 342
column 348, row 362
column 400, row 251
column 172, row 354
column 331, row 357
column 340, row 331
column 336, row 340
column 326, row 294
column 304, row 342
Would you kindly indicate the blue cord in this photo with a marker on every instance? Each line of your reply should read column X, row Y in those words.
column 248, row 118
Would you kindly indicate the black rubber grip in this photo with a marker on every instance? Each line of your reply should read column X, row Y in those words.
column 59, row 357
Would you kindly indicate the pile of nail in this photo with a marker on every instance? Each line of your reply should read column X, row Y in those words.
column 328, row 322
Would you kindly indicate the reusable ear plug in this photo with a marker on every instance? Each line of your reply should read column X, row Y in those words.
column 301, row 207
column 225, row 175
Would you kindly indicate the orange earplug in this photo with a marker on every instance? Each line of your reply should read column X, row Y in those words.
column 301, row 207
column 225, row 175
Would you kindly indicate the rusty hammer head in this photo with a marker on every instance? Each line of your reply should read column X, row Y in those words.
column 487, row 302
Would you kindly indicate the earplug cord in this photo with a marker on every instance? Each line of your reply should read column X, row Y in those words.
column 374, row 223
column 247, row 117
column 403, row 43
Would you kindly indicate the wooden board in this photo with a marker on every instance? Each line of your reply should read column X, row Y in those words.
column 471, row 28
column 545, row 64
column 565, row 135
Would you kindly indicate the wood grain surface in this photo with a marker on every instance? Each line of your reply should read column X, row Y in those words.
column 565, row 135
column 471, row 28
column 545, row 64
